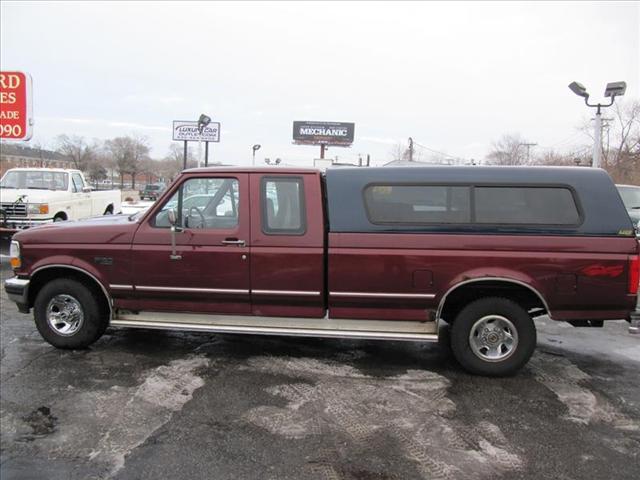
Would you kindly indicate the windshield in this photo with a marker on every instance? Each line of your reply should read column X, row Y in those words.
column 34, row 179
column 630, row 197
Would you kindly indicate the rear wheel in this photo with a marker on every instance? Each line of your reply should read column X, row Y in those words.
column 69, row 315
column 493, row 336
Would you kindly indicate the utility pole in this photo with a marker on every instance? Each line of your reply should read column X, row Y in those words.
column 410, row 149
column 528, row 145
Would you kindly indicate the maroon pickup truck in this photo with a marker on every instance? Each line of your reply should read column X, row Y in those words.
column 373, row 253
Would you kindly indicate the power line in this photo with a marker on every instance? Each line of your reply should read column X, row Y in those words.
column 431, row 149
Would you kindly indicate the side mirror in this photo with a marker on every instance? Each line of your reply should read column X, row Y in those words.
column 87, row 189
column 172, row 217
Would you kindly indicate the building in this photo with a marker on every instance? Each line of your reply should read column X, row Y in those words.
column 14, row 156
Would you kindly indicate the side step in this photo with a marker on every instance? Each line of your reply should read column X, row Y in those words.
column 302, row 327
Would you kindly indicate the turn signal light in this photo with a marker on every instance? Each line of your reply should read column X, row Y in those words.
column 634, row 274
column 44, row 208
column 14, row 255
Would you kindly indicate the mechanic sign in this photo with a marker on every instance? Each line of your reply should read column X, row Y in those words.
column 16, row 113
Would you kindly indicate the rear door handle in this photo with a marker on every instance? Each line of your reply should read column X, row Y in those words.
column 233, row 241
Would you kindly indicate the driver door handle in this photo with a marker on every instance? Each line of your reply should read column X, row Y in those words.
column 233, row 241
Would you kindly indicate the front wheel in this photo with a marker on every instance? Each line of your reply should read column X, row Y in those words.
column 493, row 336
column 69, row 315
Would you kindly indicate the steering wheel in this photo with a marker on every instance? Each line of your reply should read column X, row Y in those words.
column 203, row 221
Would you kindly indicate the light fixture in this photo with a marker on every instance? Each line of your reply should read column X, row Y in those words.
column 203, row 121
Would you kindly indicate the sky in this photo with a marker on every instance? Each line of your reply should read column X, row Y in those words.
column 453, row 76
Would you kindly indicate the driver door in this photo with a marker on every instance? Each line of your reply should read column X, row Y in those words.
column 209, row 272
column 81, row 199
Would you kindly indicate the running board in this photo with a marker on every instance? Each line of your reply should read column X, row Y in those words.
column 300, row 327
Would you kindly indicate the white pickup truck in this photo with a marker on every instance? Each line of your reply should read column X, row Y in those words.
column 35, row 196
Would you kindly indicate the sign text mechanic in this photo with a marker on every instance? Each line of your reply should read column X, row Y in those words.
column 323, row 133
column 15, row 106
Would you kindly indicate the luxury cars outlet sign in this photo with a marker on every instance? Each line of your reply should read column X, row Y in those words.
column 186, row 130
column 16, row 112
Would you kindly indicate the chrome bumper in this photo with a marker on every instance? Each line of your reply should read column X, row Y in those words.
column 13, row 224
column 18, row 291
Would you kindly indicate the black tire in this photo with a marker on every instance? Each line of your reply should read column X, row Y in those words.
column 59, row 218
column 108, row 210
column 491, row 313
column 94, row 317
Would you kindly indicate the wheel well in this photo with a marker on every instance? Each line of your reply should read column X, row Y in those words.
column 109, row 208
column 40, row 279
column 457, row 299
column 62, row 215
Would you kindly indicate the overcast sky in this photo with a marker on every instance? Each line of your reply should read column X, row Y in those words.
column 453, row 76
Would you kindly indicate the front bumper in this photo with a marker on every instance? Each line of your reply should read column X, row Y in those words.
column 12, row 225
column 18, row 291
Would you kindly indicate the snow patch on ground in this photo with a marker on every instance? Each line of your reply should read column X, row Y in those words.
column 104, row 426
column 413, row 408
column 584, row 406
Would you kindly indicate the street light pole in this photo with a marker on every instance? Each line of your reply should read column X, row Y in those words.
column 613, row 90
column 254, row 149
column 203, row 121
column 597, row 136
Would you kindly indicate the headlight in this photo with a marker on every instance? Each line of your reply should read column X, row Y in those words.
column 14, row 254
column 38, row 208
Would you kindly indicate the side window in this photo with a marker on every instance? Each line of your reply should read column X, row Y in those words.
column 283, row 211
column 526, row 205
column 209, row 203
column 78, row 185
column 417, row 204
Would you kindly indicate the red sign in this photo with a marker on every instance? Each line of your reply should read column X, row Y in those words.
column 15, row 106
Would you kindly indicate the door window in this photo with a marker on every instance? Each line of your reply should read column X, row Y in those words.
column 78, row 184
column 283, row 206
column 203, row 203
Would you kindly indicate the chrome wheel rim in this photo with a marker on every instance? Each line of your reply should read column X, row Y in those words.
column 64, row 315
column 493, row 338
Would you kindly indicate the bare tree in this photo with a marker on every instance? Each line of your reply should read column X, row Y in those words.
column 128, row 154
column 399, row 152
column 77, row 149
column 140, row 154
column 623, row 154
column 509, row 150
column 173, row 162
column 120, row 149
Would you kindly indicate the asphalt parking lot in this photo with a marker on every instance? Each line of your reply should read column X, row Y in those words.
column 144, row 404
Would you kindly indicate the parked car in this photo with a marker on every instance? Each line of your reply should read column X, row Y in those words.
column 152, row 191
column 130, row 207
column 37, row 196
column 631, row 197
column 376, row 253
